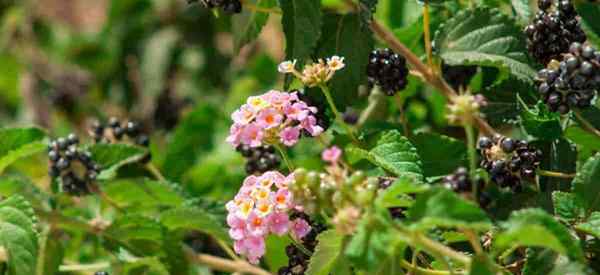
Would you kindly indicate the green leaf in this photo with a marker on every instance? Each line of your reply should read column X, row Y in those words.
column 195, row 219
column 590, row 12
column 301, row 22
column 440, row 207
column 111, row 157
column 591, row 225
column 369, row 8
column 143, row 234
column 539, row 122
column 396, row 194
column 248, row 25
column 395, row 154
column 536, row 228
column 18, row 236
column 503, row 106
column 587, row 143
column 327, row 253
column 558, row 155
column 482, row 265
column 192, row 137
column 353, row 42
column 567, row 206
column 146, row 266
column 143, row 194
column 539, row 261
column 586, row 185
column 50, row 254
column 440, row 154
column 16, row 143
column 155, row 60
column 484, row 37
column 522, row 9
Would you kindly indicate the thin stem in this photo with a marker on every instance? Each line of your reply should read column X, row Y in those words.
column 227, row 249
column 418, row 270
column 553, row 174
column 285, row 157
column 155, row 172
column 441, row 249
column 470, row 133
column 300, row 246
column 225, row 265
column 254, row 8
column 474, row 240
column 586, row 124
column 84, row 267
column 427, row 33
column 337, row 114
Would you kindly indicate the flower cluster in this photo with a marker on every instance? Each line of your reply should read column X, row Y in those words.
column 465, row 108
column 274, row 117
column 261, row 207
column 314, row 74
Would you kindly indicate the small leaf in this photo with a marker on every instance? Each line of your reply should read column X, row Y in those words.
column 440, row 154
column 248, row 25
column 16, row 143
column 539, row 122
column 301, row 22
column 327, row 253
column 567, row 206
column 484, row 37
column 535, row 228
column 591, row 225
column 195, row 219
column 586, row 185
column 539, row 261
column 440, row 207
column 18, row 235
column 111, row 157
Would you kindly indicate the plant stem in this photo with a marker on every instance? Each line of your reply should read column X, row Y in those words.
column 470, row 133
column 427, row 33
column 474, row 240
column 227, row 249
column 418, row 270
column 441, row 249
column 337, row 114
column 555, row 174
column 586, row 124
column 225, row 265
column 84, row 267
column 300, row 246
column 155, row 172
column 285, row 157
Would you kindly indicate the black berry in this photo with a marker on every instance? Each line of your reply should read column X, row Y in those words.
column 75, row 167
column 229, row 6
column 388, row 70
column 259, row 159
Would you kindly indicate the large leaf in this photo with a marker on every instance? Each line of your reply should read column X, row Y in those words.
column 440, row 154
column 143, row 194
column 536, row 228
column 567, row 206
column 591, row 225
column 192, row 137
column 301, row 21
column 484, row 37
column 354, row 43
column 248, row 25
column 143, row 234
column 111, row 157
column 586, row 184
column 16, row 143
column 395, row 154
column 482, row 265
column 539, row 261
column 440, row 207
column 18, row 236
column 539, row 122
column 327, row 254
column 195, row 219
column 590, row 12
column 587, row 143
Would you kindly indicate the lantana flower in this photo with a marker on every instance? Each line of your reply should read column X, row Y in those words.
column 314, row 74
column 263, row 206
column 275, row 118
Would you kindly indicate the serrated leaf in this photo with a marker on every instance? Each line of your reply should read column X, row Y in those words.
column 327, row 253
column 484, row 37
column 539, row 122
column 18, row 235
column 539, row 261
column 591, row 225
column 301, row 22
column 353, row 42
column 16, row 143
column 536, row 228
column 195, row 219
column 567, row 206
column 586, row 185
column 192, row 137
column 503, row 106
column 248, row 25
column 440, row 207
column 143, row 234
column 111, row 157
column 439, row 154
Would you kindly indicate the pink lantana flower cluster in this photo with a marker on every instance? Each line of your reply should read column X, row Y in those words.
column 262, row 207
column 274, row 117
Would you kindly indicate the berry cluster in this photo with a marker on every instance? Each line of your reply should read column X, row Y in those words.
column 509, row 161
column 574, row 82
column 460, row 181
column 297, row 260
column 117, row 131
column 323, row 120
column 230, row 6
column 458, row 76
column 387, row 70
column 259, row 159
column 74, row 166
column 395, row 212
column 552, row 31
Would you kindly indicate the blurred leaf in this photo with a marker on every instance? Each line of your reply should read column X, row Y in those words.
column 195, row 219
column 586, row 184
column 248, row 25
column 587, row 143
column 18, row 236
column 482, row 265
column 539, row 261
column 535, row 228
column 16, row 143
column 368, row 8
column 354, row 43
column 567, row 206
column 327, row 254
column 522, row 9
column 539, row 122
column 440, row 207
column 111, row 157
column 274, row 257
column 21, row 152
column 192, row 136
column 589, row 12
column 591, row 225
column 155, row 60
column 440, row 154
column 142, row 233
column 301, row 22
column 143, row 194
column 484, row 37
column 146, row 266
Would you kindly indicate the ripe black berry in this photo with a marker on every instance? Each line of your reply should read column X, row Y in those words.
column 460, row 181
column 322, row 119
column 350, row 117
column 573, row 82
column 229, row 6
column 297, row 260
column 116, row 132
column 509, row 161
column 75, row 167
column 553, row 30
column 259, row 159
column 387, row 70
